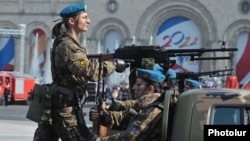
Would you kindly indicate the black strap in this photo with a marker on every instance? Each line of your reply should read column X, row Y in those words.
column 56, row 42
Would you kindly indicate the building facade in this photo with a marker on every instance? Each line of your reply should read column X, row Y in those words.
column 170, row 24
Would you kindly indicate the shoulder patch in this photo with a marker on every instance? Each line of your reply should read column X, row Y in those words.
column 133, row 131
column 81, row 63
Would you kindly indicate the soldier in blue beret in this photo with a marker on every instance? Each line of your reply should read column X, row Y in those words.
column 191, row 84
column 143, row 120
column 170, row 81
column 71, row 70
column 73, row 10
column 171, row 84
column 171, row 73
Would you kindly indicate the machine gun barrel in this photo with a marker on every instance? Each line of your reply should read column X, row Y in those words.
column 102, row 56
column 159, row 54
column 211, row 58
column 201, row 50
column 218, row 75
column 214, row 72
column 132, row 52
column 210, row 73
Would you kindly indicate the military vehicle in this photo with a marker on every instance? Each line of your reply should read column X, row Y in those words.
column 198, row 107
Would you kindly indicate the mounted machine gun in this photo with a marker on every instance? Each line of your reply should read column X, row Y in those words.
column 135, row 55
column 140, row 56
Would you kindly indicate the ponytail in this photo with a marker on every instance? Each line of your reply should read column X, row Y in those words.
column 59, row 29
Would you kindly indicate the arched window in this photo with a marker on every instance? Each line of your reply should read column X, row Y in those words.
column 37, row 53
column 113, row 40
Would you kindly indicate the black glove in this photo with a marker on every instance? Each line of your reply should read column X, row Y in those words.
column 116, row 106
column 120, row 65
column 93, row 114
column 105, row 118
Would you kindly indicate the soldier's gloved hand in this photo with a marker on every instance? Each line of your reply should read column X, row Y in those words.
column 120, row 65
column 115, row 105
column 105, row 118
column 93, row 114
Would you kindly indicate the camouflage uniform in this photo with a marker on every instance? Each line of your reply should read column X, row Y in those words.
column 71, row 70
column 122, row 105
column 140, row 123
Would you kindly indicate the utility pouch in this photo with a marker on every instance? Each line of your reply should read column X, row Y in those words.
column 41, row 104
column 62, row 97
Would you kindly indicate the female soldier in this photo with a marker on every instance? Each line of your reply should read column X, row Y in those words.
column 141, row 122
column 71, row 70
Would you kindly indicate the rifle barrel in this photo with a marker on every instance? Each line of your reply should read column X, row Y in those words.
column 201, row 50
column 214, row 72
column 211, row 58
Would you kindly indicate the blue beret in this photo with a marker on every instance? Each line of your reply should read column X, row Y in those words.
column 73, row 9
column 171, row 73
column 158, row 68
column 193, row 83
column 153, row 75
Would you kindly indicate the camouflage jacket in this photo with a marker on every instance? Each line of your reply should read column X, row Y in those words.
column 118, row 105
column 140, row 123
column 70, row 65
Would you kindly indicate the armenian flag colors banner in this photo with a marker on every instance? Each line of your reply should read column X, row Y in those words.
column 40, row 56
column 242, row 58
column 7, row 53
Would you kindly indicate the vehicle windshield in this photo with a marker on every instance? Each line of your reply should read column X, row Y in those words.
column 231, row 116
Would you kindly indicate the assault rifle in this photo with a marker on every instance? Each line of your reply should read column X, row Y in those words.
column 100, row 130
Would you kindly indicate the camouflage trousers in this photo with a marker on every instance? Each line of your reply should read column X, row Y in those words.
column 61, row 129
column 45, row 132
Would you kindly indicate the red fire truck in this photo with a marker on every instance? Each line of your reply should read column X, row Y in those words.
column 20, row 86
